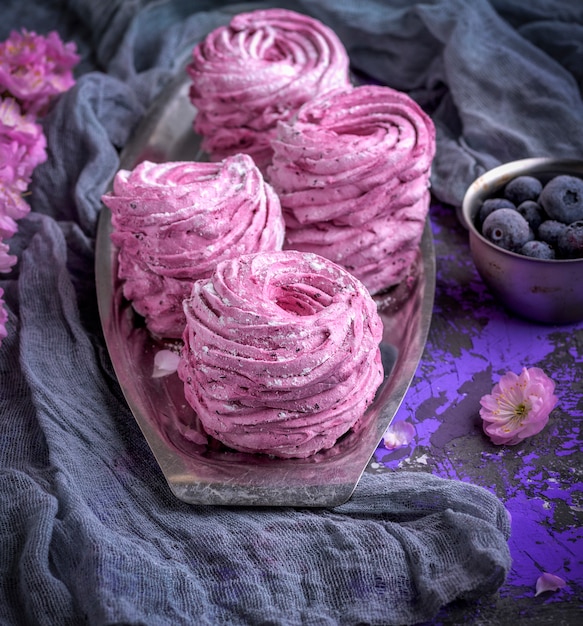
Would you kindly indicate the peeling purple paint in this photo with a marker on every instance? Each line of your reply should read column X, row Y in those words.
column 472, row 342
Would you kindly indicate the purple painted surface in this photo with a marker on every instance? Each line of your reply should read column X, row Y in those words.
column 472, row 342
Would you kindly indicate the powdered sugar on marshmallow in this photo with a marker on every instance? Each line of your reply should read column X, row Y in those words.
column 173, row 222
column 256, row 71
column 298, row 362
column 352, row 173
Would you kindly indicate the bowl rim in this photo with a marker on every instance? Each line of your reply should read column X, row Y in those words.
column 493, row 179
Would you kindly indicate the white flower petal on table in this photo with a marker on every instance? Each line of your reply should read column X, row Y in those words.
column 398, row 434
column 165, row 363
column 548, row 582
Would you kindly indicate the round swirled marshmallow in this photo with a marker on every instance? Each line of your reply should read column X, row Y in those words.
column 352, row 172
column 257, row 70
column 173, row 222
column 281, row 353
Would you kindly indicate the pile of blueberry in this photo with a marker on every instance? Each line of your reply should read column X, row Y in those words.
column 538, row 220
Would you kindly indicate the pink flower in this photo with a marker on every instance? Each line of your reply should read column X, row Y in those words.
column 398, row 434
column 518, row 407
column 548, row 582
column 35, row 68
column 22, row 148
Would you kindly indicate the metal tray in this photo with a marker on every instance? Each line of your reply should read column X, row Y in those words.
column 201, row 473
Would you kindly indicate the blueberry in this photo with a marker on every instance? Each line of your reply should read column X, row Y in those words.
column 507, row 229
column 538, row 250
column 550, row 231
column 492, row 204
column 562, row 198
column 570, row 244
column 523, row 188
column 532, row 212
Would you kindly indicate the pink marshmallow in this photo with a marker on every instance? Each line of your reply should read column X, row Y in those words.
column 281, row 353
column 256, row 71
column 352, row 172
column 173, row 222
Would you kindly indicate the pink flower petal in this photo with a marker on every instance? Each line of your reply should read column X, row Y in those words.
column 194, row 436
column 165, row 363
column 398, row 434
column 548, row 582
column 7, row 226
column 3, row 317
column 7, row 260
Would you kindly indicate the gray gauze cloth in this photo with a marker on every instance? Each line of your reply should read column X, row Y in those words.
column 90, row 532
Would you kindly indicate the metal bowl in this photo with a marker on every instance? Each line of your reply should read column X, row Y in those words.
column 546, row 291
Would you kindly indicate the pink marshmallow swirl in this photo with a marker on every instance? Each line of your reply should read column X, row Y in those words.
column 257, row 70
column 352, row 173
column 173, row 222
column 281, row 353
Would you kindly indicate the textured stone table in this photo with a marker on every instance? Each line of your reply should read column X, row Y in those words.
column 472, row 342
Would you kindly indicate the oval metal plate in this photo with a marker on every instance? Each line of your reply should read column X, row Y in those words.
column 209, row 473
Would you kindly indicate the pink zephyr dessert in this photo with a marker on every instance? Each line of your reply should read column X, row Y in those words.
column 173, row 222
column 259, row 69
column 281, row 353
column 352, row 172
